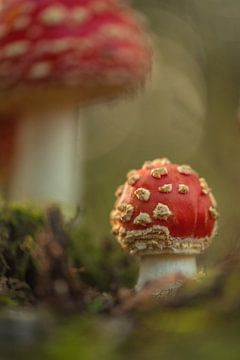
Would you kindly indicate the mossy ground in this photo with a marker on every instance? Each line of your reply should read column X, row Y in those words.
column 64, row 295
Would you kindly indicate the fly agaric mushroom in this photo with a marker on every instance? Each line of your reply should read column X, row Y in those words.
column 58, row 54
column 166, row 215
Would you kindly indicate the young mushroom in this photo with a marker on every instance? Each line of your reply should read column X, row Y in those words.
column 165, row 214
column 55, row 55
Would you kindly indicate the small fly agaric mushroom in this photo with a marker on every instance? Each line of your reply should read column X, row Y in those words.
column 166, row 215
column 58, row 54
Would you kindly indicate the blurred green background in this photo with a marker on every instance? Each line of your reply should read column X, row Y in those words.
column 189, row 112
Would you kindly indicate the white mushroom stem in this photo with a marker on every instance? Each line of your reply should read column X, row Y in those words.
column 48, row 159
column 154, row 267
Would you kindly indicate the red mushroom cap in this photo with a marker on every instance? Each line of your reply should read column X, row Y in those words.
column 164, row 208
column 74, row 50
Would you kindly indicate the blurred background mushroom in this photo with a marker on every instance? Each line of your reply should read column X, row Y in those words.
column 55, row 55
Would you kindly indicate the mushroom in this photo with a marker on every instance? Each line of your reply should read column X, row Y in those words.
column 165, row 214
column 55, row 55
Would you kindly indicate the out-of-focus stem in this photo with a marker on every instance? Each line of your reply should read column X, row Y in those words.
column 47, row 164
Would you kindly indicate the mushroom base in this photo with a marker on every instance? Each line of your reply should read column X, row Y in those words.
column 155, row 267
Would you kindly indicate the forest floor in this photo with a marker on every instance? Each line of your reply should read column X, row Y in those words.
column 64, row 295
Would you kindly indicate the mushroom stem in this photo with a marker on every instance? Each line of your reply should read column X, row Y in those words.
column 47, row 162
column 153, row 267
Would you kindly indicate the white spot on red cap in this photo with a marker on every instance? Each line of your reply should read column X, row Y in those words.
column 119, row 191
column 142, row 219
column 204, row 186
column 118, row 230
column 166, row 188
column 55, row 46
column 40, row 70
column 147, row 165
column 212, row 199
column 185, row 169
column 161, row 212
column 213, row 212
column 158, row 172
column 116, row 31
column 61, row 45
column 162, row 161
column 183, row 189
column 126, row 211
column 115, row 215
column 54, row 15
column 142, row 194
column 16, row 48
column 80, row 15
column 21, row 22
column 132, row 177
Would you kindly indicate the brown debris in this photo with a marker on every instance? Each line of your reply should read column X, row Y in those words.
column 153, row 293
column 57, row 282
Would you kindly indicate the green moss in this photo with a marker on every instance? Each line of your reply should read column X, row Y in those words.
column 102, row 263
column 18, row 228
column 99, row 262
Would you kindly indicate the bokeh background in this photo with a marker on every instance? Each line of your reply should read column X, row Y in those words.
column 189, row 112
